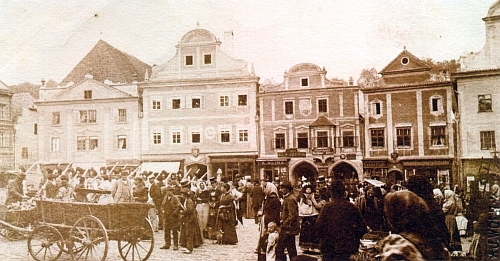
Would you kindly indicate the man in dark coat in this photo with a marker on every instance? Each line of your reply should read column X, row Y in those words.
column 170, row 207
column 341, row 226
column 156, row 195
column 257, row 195
column 290, row 223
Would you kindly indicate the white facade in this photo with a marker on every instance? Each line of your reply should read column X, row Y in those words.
column 200, row 109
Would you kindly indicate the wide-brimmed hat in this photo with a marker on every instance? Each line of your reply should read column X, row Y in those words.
column 21, row 175
column 286, row 184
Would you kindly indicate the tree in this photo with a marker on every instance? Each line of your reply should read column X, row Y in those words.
column 367, row 76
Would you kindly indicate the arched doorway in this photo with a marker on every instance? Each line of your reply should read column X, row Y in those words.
column 306, row 170
column 344, row 171
column 197, row 170
column 393, row 176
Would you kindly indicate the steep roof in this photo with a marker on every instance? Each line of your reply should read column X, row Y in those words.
column 4, row 86
column 105, row 62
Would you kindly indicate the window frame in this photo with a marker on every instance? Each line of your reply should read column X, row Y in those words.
column 490, row 135
column 156, row 104
column 403, row 137
column 192, row 137
column 124, row 145
column 223, row 100
column 205, row 59
column 122, row 115
column 175, row 105
column 55, row 144
column 81, row 143
column 288, row 105
column 186, row 60
column 96, row 145
column 56, row 118
column 279, row 142
column 302, row 82
column 241, row 101
column 484, row 103
column 225, row 136
column 322, row 140
column 350, row 139
column 87, row 94
column 300, row 140
column 378, row 138
column 243, row 135
column 435, row 137
column 322, row 108
column 193, row 102
column 176, row 137
column 157, row 138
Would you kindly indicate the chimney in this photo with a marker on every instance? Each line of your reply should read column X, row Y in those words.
column 351, row 81
column 43, row 82
column 228, row 43
column 88, row 76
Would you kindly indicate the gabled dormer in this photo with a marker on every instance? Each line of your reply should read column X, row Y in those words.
column 405, row 69
column 89, row 90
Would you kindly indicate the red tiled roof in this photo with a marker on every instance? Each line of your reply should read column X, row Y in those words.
column 105, row 62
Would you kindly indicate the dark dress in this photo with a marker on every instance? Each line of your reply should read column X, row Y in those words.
column 226, row 219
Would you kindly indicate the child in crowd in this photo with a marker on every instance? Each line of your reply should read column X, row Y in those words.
column 272, row 241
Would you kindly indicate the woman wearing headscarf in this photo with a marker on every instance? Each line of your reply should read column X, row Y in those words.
column 449, row 208
column 410, row 238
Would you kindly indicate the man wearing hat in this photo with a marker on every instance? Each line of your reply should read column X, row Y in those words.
column 15, row 189
column 170, row 208
column 122, row 189
column 290, row 223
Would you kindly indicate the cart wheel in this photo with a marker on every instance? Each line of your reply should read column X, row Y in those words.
column 136, row 243
column 12, row 234
column 45, row 243
column 88, row 239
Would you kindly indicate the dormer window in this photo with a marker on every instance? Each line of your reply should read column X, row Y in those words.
column 189, row 60
column 87, row 94
column 207, row 59
column 405, row 60
column 304, row 82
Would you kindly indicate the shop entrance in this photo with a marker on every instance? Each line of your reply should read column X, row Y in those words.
column 344, row 171
column 306, row 170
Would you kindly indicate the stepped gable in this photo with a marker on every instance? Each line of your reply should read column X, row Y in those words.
column 105, row 62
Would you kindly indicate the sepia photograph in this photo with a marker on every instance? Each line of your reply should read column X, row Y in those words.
column 249, row 130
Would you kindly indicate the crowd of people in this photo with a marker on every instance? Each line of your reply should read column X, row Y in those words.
column 420, row 219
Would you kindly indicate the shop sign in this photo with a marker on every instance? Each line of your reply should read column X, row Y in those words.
column 322, row 151
column 292, row 153
column 271, row 162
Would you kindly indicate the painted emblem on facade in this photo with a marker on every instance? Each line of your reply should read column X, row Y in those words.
column 210, row 133
column 305, row 107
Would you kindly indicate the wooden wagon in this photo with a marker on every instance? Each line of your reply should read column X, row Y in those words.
column 83, row 230
column 16, row 224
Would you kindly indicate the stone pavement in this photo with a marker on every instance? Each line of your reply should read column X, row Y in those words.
column 243, row 251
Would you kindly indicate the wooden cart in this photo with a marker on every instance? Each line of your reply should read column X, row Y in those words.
column 16, row 224
column 83, row 230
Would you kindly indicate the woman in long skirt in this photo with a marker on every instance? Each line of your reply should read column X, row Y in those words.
column 449, row 207
column 226, row 219
column 308, row 212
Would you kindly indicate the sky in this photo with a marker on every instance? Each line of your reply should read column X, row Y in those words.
column 46, row 39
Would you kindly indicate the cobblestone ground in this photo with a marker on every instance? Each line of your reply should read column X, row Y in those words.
column 244, row 250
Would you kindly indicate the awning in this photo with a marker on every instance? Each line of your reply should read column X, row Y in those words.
column 157, row 167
